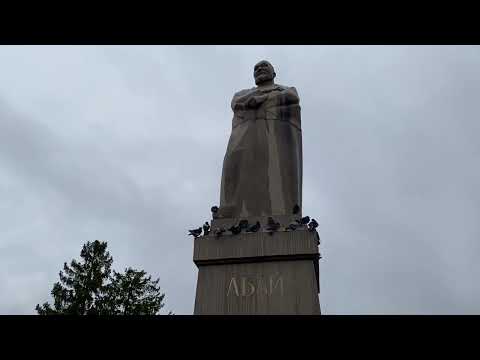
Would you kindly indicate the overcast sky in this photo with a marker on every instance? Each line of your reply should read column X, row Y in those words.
column 125, row 144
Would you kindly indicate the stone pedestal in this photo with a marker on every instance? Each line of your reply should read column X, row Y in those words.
column 258, row 273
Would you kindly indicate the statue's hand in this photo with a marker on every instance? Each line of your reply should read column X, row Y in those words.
column 256, row 101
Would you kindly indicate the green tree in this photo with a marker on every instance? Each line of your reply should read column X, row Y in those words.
column 132, row 293
column 89, row 287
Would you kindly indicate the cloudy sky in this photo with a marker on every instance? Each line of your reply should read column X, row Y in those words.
column 125, row 144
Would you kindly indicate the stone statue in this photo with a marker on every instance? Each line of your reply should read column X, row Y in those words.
column 262, row 168
column 268, row 264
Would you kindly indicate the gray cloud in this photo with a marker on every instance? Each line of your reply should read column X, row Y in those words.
column 126, row 144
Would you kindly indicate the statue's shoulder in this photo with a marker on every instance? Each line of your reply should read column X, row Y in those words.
column 287, row 95
column 290, row 88
column 244, row 92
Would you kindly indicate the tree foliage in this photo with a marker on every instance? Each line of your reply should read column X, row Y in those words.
column 90, row 287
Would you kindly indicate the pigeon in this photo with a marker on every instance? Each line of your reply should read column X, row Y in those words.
column 214, row 209
column 219, row 231
column 206, row 228
column 195, row 232
column 254, row 228
column 272, row 225
column 312, row 225
column 292, row 226
column 243, row 224
column 296, row 209
column 235, row 229
column 303, row 221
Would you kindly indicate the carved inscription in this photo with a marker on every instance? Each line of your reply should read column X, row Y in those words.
column 249, row 285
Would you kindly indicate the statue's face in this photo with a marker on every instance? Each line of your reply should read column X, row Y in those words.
column 263, row 71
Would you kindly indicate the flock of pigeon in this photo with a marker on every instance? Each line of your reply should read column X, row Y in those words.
column 244, row 226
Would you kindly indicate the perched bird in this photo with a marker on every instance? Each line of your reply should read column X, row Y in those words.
column 206, row 228
column 243, row 224
column 292, row 226
column 219, row 231
column 272, row 225
column 235, row 229
column 303, row 221
column 312, row 225
column 214, row 210
column 255, row 227
column 296, row 209
column 195, row 232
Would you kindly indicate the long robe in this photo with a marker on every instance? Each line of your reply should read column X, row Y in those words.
column 262, row 168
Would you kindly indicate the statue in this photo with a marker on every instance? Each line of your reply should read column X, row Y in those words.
column 262, row 168
column 262, row 255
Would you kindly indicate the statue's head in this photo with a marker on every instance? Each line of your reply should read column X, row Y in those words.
column 263, row 72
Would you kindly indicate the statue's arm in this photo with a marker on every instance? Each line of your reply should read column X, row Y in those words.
column 247, row 99
column 239, row 99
